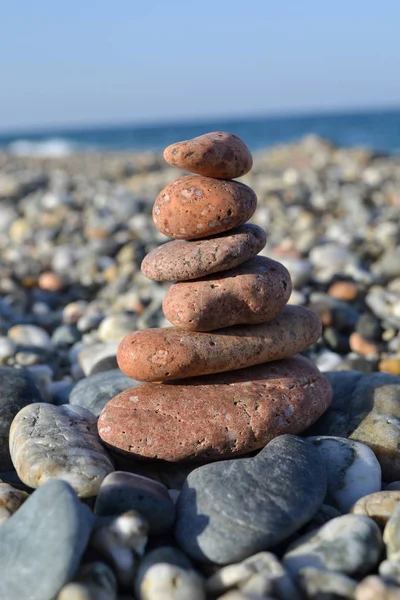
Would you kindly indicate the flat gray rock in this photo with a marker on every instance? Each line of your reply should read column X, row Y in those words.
column 230, row 510
column 59, row 442
column 365, row 408
column 95, row 391
column 350, row 544
column 41, row 545
column 17, row 389
column 121, row 491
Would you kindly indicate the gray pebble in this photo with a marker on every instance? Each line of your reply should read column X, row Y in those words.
column 95, row 391
column 47, row 536
column 351, row 544
column 270, row 497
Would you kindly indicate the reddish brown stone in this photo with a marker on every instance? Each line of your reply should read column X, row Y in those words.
column 215, row 416
column 195, row 207
column 217, row 154
column 169, row 353
column 252, row 293
column 182, row 260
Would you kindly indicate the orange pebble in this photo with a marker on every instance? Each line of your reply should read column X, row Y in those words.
column 344, row 290
column 362, row 346
column 51, row 282
column 390, row 365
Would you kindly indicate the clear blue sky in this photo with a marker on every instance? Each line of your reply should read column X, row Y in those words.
column 98, row 61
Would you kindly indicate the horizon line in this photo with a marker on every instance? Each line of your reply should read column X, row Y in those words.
column 171, row 121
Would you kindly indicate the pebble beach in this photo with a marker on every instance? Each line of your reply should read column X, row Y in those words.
column 312, row 511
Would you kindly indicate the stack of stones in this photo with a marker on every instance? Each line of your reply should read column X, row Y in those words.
column 224, row 380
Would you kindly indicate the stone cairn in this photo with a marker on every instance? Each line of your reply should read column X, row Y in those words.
column 230, row 353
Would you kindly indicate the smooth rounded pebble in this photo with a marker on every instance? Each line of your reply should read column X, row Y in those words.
column 230, row 510
column 169, row 353
column 10, row 500
column 243, row 575
column 59, row 442
column 42, row 544
column 379, row 506
column 121, row 491
column 95, row 391
column 374, row 588
column 156, row 573
column 94, row 581
column 366, row 408
column 350, row 544
column 216, row 154
column 353, row 470
column 251, row 293
column 181, row 260
column 215, row 416
column 194, row 206
column 320, row 584
column 17, row 389
column 391, row 534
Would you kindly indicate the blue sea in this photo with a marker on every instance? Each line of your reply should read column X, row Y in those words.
column 378, row 130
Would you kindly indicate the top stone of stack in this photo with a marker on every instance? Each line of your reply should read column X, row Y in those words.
column 217, row 154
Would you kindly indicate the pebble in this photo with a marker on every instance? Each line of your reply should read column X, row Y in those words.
column 251, row 293
column 390, row 365
column 121, row 491
column 320, row 584
column 265, row 565
column 391, row 534
column 350, row 544
column 121, row 540
column 374, row 587
column 379, row 505
column 217, row 154
column 362, row 346
column 169, row 353
column 58, row 442
column 18, row 389
column 94, row 581
column 352, row 470
column 365, row 408
column 114, row 327
column 344, row 290
column 7, row 349
column 29, row 335
column 10, row 500
column 182, row 260
column 194, row 206
column 249, row 407
column 93, row 392
column 89, row 355
column 166, row 574
column 49, row 534
column 288, row 482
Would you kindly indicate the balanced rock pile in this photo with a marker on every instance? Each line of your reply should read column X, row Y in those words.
column 224, row 380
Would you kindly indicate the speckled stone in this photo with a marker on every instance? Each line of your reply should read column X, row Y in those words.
column 366, row 408
column 379, row 506
column 121, row 491
column 58, row 442
column 42, row 544
column 170, row 353
column 249, row 407
column 194, row 206
column 230, row 510
column 216, row 154
column 181, row 260
column 350, row 544
column 251, row 293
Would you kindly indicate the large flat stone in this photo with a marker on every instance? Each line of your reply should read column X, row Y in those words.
column 169, row 353
column 215, row 416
